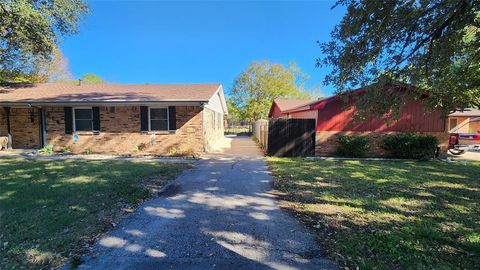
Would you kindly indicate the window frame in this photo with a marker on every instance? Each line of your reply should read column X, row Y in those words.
column 74, row 124
column 450, row 123
column 150, row 119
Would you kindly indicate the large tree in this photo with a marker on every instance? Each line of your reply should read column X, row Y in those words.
column 30, row 31
column 433, row 45
column 256, row 87
column 54, row 70
column 91, row 78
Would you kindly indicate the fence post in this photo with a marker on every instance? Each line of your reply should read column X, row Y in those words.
column 260, row 130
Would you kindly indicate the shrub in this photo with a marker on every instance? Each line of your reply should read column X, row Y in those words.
column 352, row 146
column 46, row 150
column 180, row 151
column 411, row 146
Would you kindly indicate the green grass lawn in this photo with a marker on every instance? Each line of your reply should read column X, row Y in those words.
column 239, row 131
column 387, row 214
column 49, row 210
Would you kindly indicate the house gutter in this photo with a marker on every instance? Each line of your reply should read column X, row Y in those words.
column 43, row 130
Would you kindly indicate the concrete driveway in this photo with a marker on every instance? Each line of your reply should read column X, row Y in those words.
column 468, row 156
column 218, row 215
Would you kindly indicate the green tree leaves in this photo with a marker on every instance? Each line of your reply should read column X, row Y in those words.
column 30, row 31
column 262, row 82
column 433, row 45
column 91, row 78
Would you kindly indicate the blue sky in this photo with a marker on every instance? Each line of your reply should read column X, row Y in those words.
column 199, row 41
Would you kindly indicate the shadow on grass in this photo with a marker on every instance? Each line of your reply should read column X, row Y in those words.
column 48, row 209
column 388, row 215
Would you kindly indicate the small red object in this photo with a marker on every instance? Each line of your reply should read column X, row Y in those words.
column 453, row 140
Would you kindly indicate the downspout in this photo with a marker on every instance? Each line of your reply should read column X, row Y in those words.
column 9, row 130
column 43, row 132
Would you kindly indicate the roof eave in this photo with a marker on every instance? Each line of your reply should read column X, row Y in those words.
column 182, row 102
column 301, row 109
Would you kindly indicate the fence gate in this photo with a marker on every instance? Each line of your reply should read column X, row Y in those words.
column 291, row 137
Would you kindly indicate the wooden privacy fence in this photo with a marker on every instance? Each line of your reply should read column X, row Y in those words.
column 291, row 137
column 260, row 130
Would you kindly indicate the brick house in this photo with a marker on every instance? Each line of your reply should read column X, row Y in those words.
column 161, row 119
column 333, row 117
column 466, row 121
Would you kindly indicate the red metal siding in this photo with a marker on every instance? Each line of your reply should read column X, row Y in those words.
column 335, row 116
column 276, row 112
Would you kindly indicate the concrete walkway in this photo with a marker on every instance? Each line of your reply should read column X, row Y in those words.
column 218, row 215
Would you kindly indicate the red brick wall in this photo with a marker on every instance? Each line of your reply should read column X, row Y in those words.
column 24, row 125
column 120, row 133
column 466, row 124
column 3, row 122
column 326, row 141
column 474, row 126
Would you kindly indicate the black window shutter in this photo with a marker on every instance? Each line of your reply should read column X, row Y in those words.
column 96, row 118
column 172, row 118
column 143, row 118
column 68, row 120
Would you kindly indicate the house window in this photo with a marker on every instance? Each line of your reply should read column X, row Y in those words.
column 158, row 119
column 452, row 123
column 83, row 119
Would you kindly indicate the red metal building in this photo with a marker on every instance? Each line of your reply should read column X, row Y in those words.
column 334, row 117
column 280, row 106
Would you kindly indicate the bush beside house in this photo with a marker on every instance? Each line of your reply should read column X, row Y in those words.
column 401, row 145
column 352, row 146
column 411, row 146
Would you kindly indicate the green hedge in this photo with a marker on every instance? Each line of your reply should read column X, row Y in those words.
column 352, row 146
column 411, row 146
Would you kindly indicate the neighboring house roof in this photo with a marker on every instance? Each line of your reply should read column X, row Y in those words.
column 468, row 112
column 287, row 104
column 306, row 106
column 46, row 93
